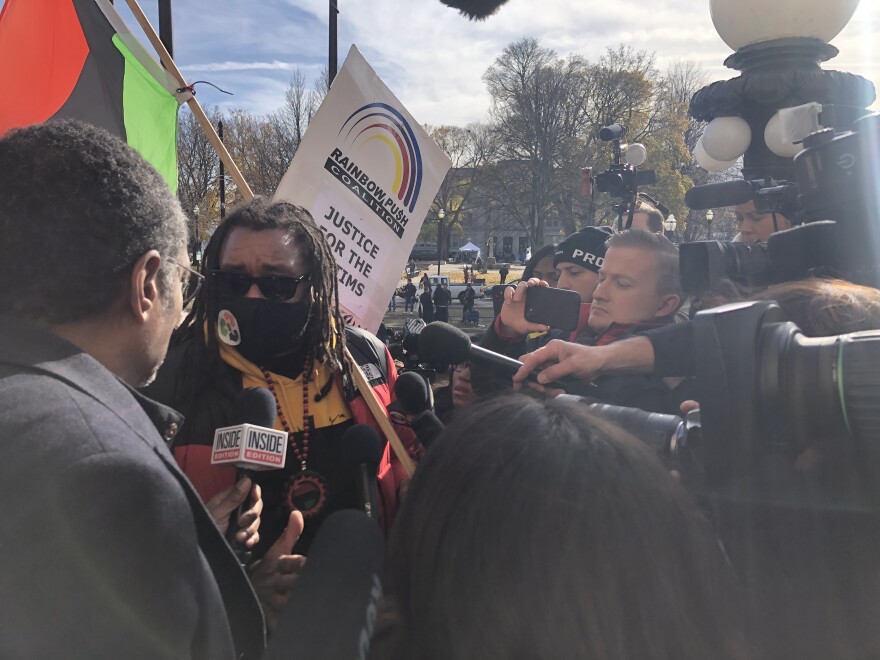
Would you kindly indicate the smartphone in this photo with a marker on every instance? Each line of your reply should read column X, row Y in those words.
column 558, row 308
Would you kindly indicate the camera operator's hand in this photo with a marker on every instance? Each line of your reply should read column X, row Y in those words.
column 512, row 322
column 586, row 362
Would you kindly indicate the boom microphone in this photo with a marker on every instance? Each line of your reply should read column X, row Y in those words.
column 414, row 395
column 714, row 195
column 332, row 610
column 475, row 9
column 362, row 450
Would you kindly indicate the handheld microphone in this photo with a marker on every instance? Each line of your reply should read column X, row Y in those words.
column 444, row 343
column 252, row 444
column 412, row 392
column 714, row 195
column 331, row 612
column 362, row 450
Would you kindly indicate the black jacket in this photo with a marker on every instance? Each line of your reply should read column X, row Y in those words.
column 442, row 297
column 107, row 550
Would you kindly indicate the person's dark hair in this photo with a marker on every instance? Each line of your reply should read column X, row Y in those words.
column 668, row 279
column 531, row 264
column 825, row 307
column 324, row 334
column 534, row 529
column 78, row 207
column 655, row 218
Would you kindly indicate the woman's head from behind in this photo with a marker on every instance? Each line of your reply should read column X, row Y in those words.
column 824, row 307
column 535, row 529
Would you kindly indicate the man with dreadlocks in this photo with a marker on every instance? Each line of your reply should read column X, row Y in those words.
column 268, row 317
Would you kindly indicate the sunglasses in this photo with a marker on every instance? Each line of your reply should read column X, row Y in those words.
column 273, row 287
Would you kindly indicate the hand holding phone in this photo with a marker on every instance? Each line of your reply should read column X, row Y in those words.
column 513, row 323
column 558, row 308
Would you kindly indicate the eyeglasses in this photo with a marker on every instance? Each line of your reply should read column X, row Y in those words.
column 273, row 287
column 190, row 281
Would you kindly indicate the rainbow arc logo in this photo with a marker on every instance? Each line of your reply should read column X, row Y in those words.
column 380, row 122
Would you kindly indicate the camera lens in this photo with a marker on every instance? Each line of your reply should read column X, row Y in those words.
column 705, row 263
column 820, row 390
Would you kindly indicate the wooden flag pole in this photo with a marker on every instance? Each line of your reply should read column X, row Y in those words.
column 381, row 415
column 243, row 188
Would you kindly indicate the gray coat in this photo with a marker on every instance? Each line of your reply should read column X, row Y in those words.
column 107, row 551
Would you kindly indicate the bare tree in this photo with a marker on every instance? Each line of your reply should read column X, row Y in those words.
column 197, row 173
column 319, row 91
column 538, row 103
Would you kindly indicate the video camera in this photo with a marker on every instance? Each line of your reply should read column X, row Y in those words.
column 764, row 385
column 834, row 201
column 623, row 178
column 767, row 390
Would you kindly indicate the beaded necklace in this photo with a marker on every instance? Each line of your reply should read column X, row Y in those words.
column 307, row 490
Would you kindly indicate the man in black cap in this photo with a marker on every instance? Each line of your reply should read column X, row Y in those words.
column 577, row 260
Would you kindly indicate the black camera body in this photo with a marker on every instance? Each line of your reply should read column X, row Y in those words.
column 620, row 179
column 835, row 201
column 809, row 250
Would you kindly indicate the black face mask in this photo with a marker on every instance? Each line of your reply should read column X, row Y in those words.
column 262, row 330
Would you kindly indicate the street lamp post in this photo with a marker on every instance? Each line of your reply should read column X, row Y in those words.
column 709, row 216
column 441, row 214
column 197, row 243
column 669, row 225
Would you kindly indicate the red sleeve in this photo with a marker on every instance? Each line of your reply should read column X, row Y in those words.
column 391, row 473
column 208, row 479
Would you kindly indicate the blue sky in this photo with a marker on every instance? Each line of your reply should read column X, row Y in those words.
column 433, row 58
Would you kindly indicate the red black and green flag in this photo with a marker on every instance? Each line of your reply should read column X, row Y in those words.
column 76, row 58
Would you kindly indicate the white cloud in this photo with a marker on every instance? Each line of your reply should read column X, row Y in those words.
column 433, row 58
column 275, row 65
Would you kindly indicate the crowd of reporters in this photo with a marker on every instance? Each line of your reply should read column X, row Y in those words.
column 532, row 527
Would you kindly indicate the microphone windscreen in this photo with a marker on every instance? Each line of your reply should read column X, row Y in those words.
column 361, row 444
column 714, row 195
column 441, row 343
column 475, row 9
column 332, row 609
column 254, row 405
column 411, row 390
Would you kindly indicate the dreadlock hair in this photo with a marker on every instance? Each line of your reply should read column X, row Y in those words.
column 324, row 334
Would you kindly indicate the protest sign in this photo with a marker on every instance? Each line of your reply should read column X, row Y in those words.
column 368, row 173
